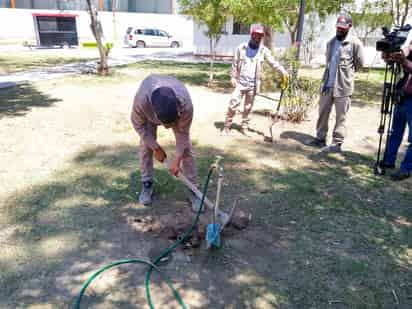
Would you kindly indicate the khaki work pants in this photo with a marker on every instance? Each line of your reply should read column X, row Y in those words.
column 146, row 160
column 342, row 105
column 236, row 100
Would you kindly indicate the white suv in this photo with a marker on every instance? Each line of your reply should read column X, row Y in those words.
column 149, row 37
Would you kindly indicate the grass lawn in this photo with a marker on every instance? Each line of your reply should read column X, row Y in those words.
column 32, row 61
column 325, row 232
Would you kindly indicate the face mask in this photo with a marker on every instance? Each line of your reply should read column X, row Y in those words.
column 253, row 44
column 340, row 36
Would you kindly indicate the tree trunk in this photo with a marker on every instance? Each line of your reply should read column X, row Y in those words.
column 292, row 37
column 405, row 13
column 212, row 58
column 96, row 27
column 268, row 39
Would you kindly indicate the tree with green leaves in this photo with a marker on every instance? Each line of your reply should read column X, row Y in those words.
column 211, row 13
column 374, row 14
column 369, row 17
column 311, row 33
column 399, row 10
column 282, row 15
column 259, row 12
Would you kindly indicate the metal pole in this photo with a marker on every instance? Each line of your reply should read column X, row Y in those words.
column 114, row 5
column 300, row 27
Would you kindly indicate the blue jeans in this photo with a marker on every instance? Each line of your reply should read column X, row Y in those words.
column 402, row 116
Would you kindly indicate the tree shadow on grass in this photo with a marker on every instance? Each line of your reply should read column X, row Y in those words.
column 327, row 234
column 20, row 99
column 196, row 74
column 300, row 137
column 367, row 93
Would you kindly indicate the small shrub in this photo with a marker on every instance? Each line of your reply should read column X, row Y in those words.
column 301, row 94
column 108, row 45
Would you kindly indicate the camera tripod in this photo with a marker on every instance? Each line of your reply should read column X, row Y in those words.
column 390, row 96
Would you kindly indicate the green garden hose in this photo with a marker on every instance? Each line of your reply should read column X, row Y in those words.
column 152, row 265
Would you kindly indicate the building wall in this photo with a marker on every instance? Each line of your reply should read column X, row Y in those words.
column 328, row 31
column 141, row 6
column 53, row 4
column 229, row 41
column 17, row 25
column 113, row 31
column 155, row 6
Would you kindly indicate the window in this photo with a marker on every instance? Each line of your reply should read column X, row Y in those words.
column 67, row 5
column 66, row 24
column 162, row 33
column 57, row 30
column 149, row 32
column 46, row 23
column 56, row 24
column 240, row 28
column 138, row 31
column 5, row 4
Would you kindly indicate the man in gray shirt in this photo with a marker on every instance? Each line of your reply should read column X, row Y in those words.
column 344, row 56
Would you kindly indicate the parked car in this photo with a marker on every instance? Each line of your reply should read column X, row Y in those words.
column 149, row 37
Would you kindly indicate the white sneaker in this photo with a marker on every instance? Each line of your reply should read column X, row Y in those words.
column 332, row 148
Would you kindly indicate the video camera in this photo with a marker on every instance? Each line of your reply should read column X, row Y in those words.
column 393, row 40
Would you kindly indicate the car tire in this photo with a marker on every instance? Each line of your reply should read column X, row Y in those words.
column 140, row 44
column 175, row 45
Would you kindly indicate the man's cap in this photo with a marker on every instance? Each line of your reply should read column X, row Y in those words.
column 344, row 21
column 258, row 29
column 164, row 104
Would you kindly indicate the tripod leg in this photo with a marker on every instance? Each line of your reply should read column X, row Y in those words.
column 385, row 106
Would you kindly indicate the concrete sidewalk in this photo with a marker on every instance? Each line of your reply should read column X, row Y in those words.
column 120, row 56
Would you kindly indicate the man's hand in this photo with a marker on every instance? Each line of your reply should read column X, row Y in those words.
column 159, row 154
column 399, row 57
column 389, row 58
column 285, row 80
column 174, row 168
column 233, row 81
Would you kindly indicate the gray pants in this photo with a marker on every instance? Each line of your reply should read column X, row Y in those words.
column 236, row 99
column 342, row 105
column 146, row 160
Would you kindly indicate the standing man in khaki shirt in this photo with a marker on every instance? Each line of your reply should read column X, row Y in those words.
column 164, row 100
column 344, row 56
column 246, row 74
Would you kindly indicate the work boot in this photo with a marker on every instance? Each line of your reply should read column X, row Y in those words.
column 332, row 148
column 145, row 196
column 195, row 202
column 318, row 143
column 400, row 175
